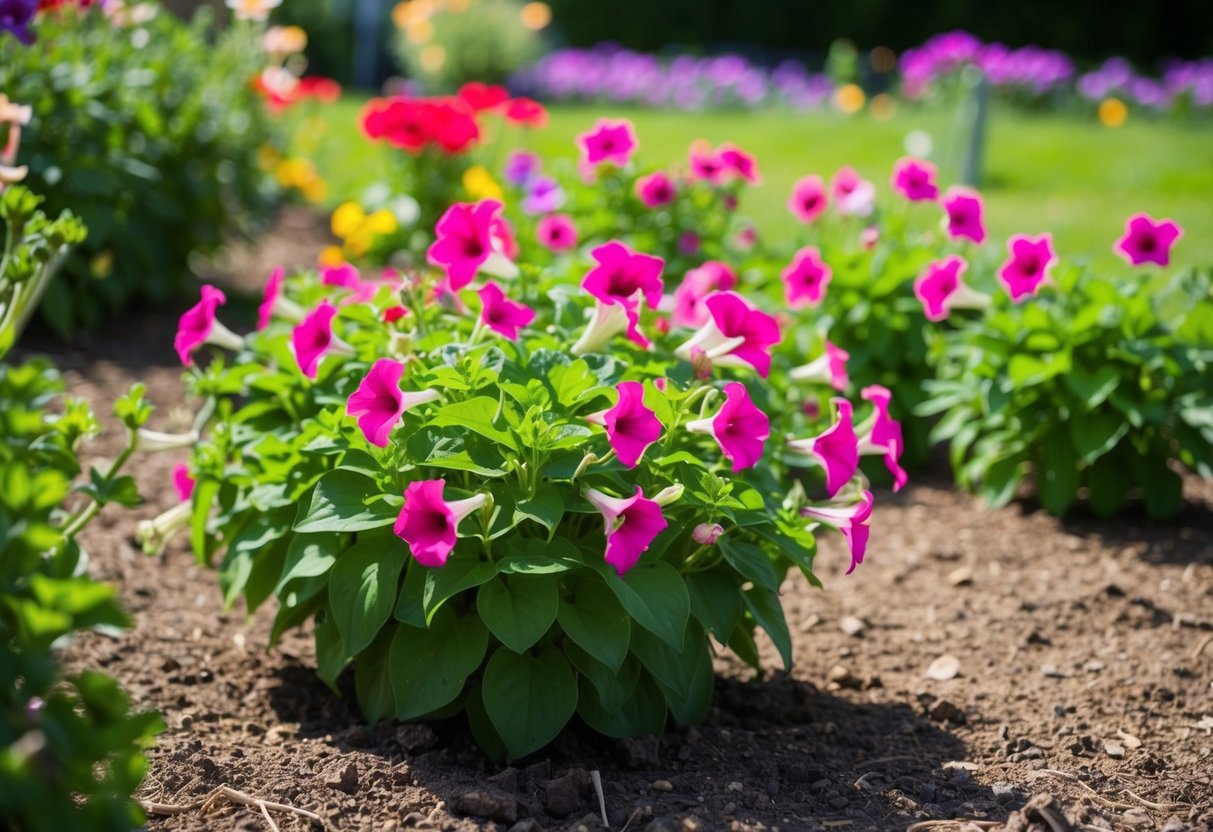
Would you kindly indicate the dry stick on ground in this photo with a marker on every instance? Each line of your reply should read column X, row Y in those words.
column 596, row 779
column 1096, row 796
column 941, row 825
column 227, row 793
column 1200, row 648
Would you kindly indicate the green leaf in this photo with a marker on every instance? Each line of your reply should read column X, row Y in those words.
column 518, row 611
column 1092, row 388
column 1095, row 434
column 331, row 655
column 1108, row 483
column 443, row 583
column 1161, row 488
column 595, row 621
column 643, row 714
column 1056, row 472
column 751, row 561
column 529, row 698
column 429, row 667
column 613, row 684
column 309, row 556
column 1000, row 480
column 345, row 501
column 768, row 612
column 205, row 492
column 656, row 597
column 362, row 588
column 685, row 676
column 545, row 508
column 476, row 415
column 715, row 601
column 373, row 679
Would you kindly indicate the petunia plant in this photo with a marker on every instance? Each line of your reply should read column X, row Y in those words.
column 516, row 491
column 1088, row 385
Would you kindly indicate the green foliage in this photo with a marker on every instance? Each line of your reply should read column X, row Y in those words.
column 71, row 752
column 150, row 133
column 1098, row 388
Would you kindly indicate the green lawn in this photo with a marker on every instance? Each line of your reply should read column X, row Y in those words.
column 1043, row 172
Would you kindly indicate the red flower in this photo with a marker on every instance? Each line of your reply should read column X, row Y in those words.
column 455, row 129
column 318, row 87
column 526, row 112
column 481, row 97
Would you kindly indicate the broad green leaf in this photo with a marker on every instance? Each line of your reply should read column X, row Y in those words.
column 476, row 415
column 529, row 698
column 362, row 588
column 595, row 620
column 685, row 676
column 331, row 655
column 715, row 601
column 644, row 713
column 429, row 667
column 1093, row 387
column 310, row 555
column 1094, row 434
column 1108, row 483
column 1000, row 480
column 751, row 561
column 656, row 597
column 545, row 508
column 519, row 610
column 1056, row 472
column 445, row 582
column 614, row 685
column 345, row 501
column 768, row 612
column 1161, row 488
column 373, row 679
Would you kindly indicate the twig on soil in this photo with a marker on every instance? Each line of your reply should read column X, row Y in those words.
column 941, row 825
column 636, row 815
column 1096, row 796
column 204, row 804
column 596, row 779
column 1200, row 648
column 1150, row 804
column 862, row 783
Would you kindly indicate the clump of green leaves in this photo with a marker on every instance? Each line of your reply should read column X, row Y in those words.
column 150, row 133
column 71, row 751
column 1099, row 388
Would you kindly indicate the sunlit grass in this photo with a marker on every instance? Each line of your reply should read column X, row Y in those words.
column 1059, row 173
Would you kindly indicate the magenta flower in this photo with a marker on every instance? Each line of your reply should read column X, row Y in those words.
column 696, row 286
column 429, row 524
column 345, row 275
column 915, row 179
column 828, row 368
column 183, row 482
column 630, row 426
column 739, row 427
column 808, row 199
column 609, row 141
column 464, row 241
column 737, row 334
column 1147, row 240
column 275, row 303
column 1028, row 264
column 940, row 289
column 739, row 163
column 557, row 232
column 655, row 190
column 880, row 434
column 379, row 404
column 198, row 326
column 964, row 215
column 805, row 278
column 631, row 525
column 836, row 450
column 502, row 315
column 853, row 195
column 706, row 164
column 621, row 281
column 851, row 520
column 313, row 337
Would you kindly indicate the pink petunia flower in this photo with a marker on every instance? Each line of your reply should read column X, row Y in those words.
column 851, row 519
column 274, row 303
column 940, row 289
column 853, row 195
column 465, row 243
column 198, row 326
column 964, row 211
column 502, row 315
column 620, row 283
column 312, row 338
column 655, row 190
column 915, row 179
column 739, row 163
column 880, row 434
column 805, row 278
column 828, row 368
column 1027, row 265
column 183, row 482
column 557, row 232
column 808, row 200
column 836, row 449
column 631, row 525
column 345, row 275
column 696, row 286
column 1147, row 240
column 379, row 404
column 705, row 163
column 739, row 427
column 630, row 426
column 706, row 534
column 429, row 524
column 609, row 141
column 738, row 334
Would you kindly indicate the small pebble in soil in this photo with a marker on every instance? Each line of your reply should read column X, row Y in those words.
column 663, row 786
column 851, row 625
column 486, row 804
column 1052, row 671
column 1113, row 749
column 944, row 668
column 1003, row 792
column 944, row 710
column 734, row 787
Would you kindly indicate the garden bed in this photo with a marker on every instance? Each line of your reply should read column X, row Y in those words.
column 1084, row 652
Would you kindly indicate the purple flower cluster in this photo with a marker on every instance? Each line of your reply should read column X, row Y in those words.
column 1180, row 78
column 610, row 73
column 1029, row 69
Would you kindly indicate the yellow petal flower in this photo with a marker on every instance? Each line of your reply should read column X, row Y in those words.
column 479, row 183
column 331, row 256
column 347, row 218
column 1112, row 112
column 382, row 221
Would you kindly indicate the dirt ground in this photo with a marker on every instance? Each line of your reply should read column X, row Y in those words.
column 1074, row 665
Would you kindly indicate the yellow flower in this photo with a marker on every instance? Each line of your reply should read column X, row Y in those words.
column 347, row 218
column 1113, row 112
column 315, row 190
column 331, row 256
column 882, row 106
column 359, row 229
column 294, row 173
column 284, row 40
column 253, row 9
column 849, row 98
column 268, row 157
column 536, row 16
column 479, row 183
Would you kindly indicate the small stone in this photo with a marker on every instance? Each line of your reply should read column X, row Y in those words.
column 1175, row 824
column 415, row 736
column 1093, row 666
column 526, row 825
column 734, row 787
column 961, row 765
column 486, row 804
column 1113, row 749
column 851, row 625
column 961, row 576
column 843, row 677
column 1003, row 792
column 1137, row 817
column 1128, row 740
column 945, row 711
column 663, row 786
column 641, row 752
column 563, row 796
column 809, row 623
column 1052, row 671
column 342, row 776
column 944, row 668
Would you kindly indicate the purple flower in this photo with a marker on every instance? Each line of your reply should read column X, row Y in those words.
column 915, row 180
column 1027, row 265
column 544, row 195
column 1147, row 240
column 964, row 215
column 15, row 17
column 521, row 167
column 379, row 404
column 940, row 289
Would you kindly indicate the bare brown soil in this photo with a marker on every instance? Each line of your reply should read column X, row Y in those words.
column 1082, row 694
